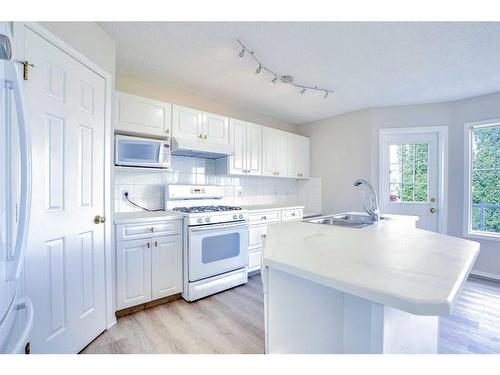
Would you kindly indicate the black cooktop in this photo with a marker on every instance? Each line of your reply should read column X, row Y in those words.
column 204, row 209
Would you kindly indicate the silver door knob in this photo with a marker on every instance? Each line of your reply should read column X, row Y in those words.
column 99, row 219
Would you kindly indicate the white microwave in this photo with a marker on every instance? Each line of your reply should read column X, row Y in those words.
column 142, row 152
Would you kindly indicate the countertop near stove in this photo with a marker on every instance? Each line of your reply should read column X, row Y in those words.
column 135, row 217
column 269, row 207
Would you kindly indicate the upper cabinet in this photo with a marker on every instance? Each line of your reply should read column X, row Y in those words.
column 246, row 139
column 135, row 114
column 197, row 125
column 274, row 153
column 298, row 150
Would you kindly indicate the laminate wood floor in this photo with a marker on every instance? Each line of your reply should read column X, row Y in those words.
column 233, row 322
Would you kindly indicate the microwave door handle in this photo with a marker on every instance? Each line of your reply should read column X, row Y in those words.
column 206, row 228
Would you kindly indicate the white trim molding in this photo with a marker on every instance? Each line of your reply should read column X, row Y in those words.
column 442, row 134
column 467, row 229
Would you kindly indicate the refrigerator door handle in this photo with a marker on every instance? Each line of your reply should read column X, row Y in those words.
column 25, row 303
column 12, row 75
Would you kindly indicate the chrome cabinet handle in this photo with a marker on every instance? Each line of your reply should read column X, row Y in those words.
column 263, row 218
column 167, row 131
column 148, row 245
column 156, row 243
column 206, row 136
column 433, row 210
column 152, row 229
column 200, row 136
column 264, row 236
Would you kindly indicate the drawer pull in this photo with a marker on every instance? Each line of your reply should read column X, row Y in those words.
column 263, row 236
column 152, row 229
column 264, row 218
column 293, row 213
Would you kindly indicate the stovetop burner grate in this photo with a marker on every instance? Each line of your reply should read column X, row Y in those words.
column 204, row 209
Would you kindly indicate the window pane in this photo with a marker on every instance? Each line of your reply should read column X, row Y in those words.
column 486, row 179
column 408, row 174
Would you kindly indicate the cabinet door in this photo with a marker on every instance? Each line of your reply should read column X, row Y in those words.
column 215, row 128
column 303, row 156
column 135, row 114
column 292, row 156
column 187, row 122
column 269, row 152
column 237, row 139
column 166, row 271
column 254, row 149
column 133, row 273
column 281, row 155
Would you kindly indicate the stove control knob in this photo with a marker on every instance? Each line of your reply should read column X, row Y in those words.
column 235, row 217
column 207, row 219
column 241, row 216
column 200, row 220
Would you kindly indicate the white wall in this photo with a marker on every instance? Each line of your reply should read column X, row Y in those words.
column 345, row 147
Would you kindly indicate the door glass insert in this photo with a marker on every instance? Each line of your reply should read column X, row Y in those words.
column 219, row 247
column 408, row 172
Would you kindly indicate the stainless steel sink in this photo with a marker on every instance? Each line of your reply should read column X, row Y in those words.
column 345, row 220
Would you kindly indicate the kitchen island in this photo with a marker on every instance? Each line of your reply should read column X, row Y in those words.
column 377, row 289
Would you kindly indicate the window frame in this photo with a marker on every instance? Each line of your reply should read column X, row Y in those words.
column 467, row 230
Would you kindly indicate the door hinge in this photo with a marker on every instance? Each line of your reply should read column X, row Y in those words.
column 26, row 64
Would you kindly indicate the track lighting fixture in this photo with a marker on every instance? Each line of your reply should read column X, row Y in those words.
column 285, row 78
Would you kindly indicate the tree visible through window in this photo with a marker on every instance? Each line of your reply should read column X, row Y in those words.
column 485, row 177
column 408, row 172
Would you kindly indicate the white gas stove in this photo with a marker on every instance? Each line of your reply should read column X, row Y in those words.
column 215, row 240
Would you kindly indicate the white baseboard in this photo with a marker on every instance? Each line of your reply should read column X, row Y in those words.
column 485, row 275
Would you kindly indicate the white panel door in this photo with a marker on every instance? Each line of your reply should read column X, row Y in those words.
column 292, row 146
column 303, row 155
column 254, row 149
column 409, row 177
column 237, row 139
column 281, row 154
column 133, row 273
column 215, row 128
column 166, row 266
column 142, row 115
column 187, row 123
column 65, row 257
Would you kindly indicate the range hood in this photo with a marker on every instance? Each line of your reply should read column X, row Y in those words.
column 200, row 148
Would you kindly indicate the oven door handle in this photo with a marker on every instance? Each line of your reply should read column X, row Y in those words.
column 210, row 227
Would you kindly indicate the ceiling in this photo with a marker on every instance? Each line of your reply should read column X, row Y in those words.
column 367, row 64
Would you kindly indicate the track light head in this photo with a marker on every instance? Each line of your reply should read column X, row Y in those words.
column 302, row 91
column 326, row 95
column 258, row 69
column 275, row 79
column 242, row 53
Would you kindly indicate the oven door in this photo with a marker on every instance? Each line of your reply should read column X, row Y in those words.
column 215, row 249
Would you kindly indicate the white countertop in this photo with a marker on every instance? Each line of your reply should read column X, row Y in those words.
column 391, row 262
column 269, row 207
column 133, row 217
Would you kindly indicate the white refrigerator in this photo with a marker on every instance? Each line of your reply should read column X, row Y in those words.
column 16, row 311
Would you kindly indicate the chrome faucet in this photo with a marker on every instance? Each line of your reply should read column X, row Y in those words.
column 373, row 211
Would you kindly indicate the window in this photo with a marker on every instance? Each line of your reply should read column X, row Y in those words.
column 408, row 177
column 483, row 179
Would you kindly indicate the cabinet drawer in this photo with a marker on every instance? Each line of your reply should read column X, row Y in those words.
column 147, row 230
column 254, row 261
column 256, row 235
column 293, row 214
column 264, row 217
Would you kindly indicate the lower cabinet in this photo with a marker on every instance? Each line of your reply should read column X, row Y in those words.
column 258, row 229
column 148, row 269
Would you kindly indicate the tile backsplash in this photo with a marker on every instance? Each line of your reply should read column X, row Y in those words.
column 147, row 188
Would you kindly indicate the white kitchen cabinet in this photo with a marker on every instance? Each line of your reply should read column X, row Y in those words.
column 133, row 273
column 147, row 267
column 258, row 222
column 192, row 124
column 298, row 151
column 138, row 115
column 187, row 123
column 246, row 139
column 166, row 266
column 274, row 154
column 215, row 128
